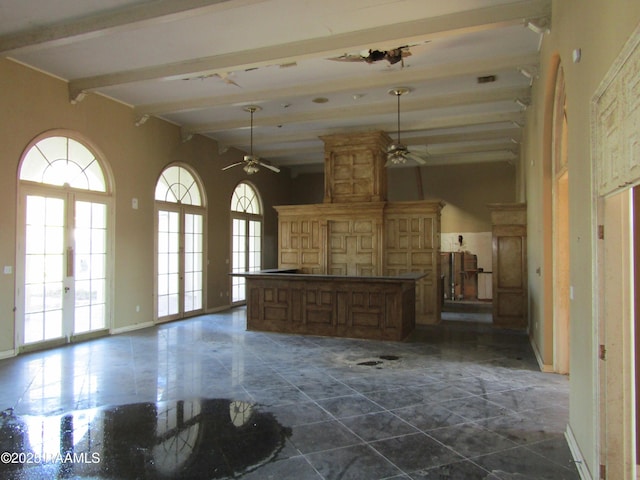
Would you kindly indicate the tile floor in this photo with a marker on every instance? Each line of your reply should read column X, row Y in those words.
column 202, row 398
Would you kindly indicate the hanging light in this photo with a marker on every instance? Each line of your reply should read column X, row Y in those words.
column 251, row 163
column 251, row 166
column 397, row 152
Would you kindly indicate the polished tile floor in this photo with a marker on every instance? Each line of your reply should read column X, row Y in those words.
column 202, row 398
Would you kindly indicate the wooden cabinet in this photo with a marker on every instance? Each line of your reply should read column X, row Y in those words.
column 379, row 308
column 354, row 168
column 412, row 244
column 366, row 239
column 356, row 232
column 510, row 296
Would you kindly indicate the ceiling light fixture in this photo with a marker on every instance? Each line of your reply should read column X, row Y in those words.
column 252, row 162
column 486, row 79
column 538, row 25
column 397, row 153
column 531, row 74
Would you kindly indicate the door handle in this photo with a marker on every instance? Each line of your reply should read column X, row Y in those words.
column 70, row 261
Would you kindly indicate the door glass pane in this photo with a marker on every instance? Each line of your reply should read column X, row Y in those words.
column 44, row 261
column 168, row 263
column 238, row 257
column 255, row 248
column 90, row 248
column 193, row 242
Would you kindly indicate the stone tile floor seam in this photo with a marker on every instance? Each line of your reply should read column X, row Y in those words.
column 456, row 401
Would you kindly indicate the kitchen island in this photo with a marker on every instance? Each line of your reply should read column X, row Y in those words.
column 368, row 307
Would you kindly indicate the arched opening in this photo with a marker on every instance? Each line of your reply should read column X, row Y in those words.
column 561, row 253
column 180, row 244
column 64, row 245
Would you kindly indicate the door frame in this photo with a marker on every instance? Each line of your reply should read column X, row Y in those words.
column 615, row 307
column 70, row 196
column 182, row 210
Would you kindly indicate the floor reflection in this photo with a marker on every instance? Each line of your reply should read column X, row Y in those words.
column 195, row 439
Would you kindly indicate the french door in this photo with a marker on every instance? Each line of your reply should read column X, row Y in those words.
column 62, row 273
column 180, row 259
column 246, row 254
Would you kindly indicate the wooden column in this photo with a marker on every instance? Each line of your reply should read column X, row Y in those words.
column 354, row 168
column 510, row 295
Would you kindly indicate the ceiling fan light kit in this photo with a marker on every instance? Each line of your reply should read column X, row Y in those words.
column 398, row 153
column 252, row 162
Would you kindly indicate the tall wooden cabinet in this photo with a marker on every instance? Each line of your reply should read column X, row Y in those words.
column 510, row 296
column 366, row 239
column 356, row 232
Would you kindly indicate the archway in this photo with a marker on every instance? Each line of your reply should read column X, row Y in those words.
column 64, row 244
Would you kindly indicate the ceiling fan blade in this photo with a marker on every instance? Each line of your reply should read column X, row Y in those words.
column 232, row 165
column 417, row 158
column 270, row 167
column 389, row 163
column 418, row 149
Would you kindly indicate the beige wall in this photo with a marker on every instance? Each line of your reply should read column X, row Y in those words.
column 465, row 213
column 599, row 28
column 465, row 189
column 476, row 185
column 33, row 103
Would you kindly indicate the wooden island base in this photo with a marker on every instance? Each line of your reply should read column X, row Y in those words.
column 380, row 308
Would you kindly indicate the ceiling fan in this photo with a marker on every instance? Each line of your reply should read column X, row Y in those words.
column 398, row 153
column 252, row 162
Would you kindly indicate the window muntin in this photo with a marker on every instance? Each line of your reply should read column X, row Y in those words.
column 63, row 161
column 245, row 200
column 177, row 185
column 246, row 237
column 180, row 243
column 65, row 269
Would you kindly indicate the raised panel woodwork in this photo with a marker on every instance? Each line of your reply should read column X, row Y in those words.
column 356, row 233
column 353, row 248
column 509, row 254
column 510, row 294
column 412, row 244
column 511, row 305
column 300, row 244
column 354, row 167
column 375, row 307
column 616, row 125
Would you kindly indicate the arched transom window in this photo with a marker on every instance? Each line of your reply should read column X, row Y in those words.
column 63, row 161
column 177, row 185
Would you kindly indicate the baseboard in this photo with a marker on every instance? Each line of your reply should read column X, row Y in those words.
column 7, row 354
column 581, row 464
column 131, row 328
column 546, row 368
column 219, row 309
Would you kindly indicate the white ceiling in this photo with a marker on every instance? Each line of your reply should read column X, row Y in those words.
column 197, row 63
